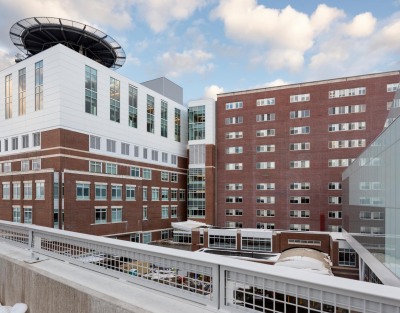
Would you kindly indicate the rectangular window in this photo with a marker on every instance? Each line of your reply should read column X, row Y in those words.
column 197, row 122
column 16, row 190
column 354, row 143
column 256, row 244
column 136, row 151
column 27, row 190
column 36, row 139
column 266, row 213
column 346, row 126
column 25, row 141
column 299, row 200
column 360, row 91
column 5, row 144
column 95, row 167
column 155, row 194
column 234, row 135
column 265, row 148
column 392, row 87
column 28, row 215
column 335, row 186
column 111, row 168
column 174, row 195
column 164, row 119
column 146, row 238
column 164, row 176
column 299, row 146
column 39, row 85
column 265, row 186
column 150, row 114
column 174, row 159
column 234, row 150
column 16, row 214
column 266, row 199
column 300, row 130
column 116, row 192
column 266, row 225
column 234, row 199
column 100, row 216
column 164, row 157
column 221, row 241
column 234, row 187
column 144, row 213
column 335, row 214
column 116, row 214
column 124, row 148
column 22, row 91
column 234, row 212
column 234, row 105
column 347, row 257
column 233, row 166
column 182, row 194
column 7, row 167
column 154, row 155
column 82, row 191
column 348, row 109
column 265, row 117
column 177, row 125
column 300, row 186
column 299, row 227
column 100, row 191
column 265, row 132
column 39, row 190
column 146, row 173
column 164, row 211
column 144, row 193
column 234, row 120
column 300, row 164
column 132, row 114
column 299, row 114
column 130, row 192
column 339, row 162
column 265, row 165
column 174, row 211
column 114, row 100
column 14, row 143
column 111, row 145
column 135, row 171
column 95, row 142
column 90, row 90
column 300, row 98
column 6, row 191
column 334, row 200
column 8, row 96
column 265, row 101
column 164, row 194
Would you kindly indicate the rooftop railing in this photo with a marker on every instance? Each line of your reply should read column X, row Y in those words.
column 218, row 282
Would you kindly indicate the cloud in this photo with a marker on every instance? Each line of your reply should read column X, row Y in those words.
column 158, row 14
column 6, row 59
column 274, row 83
column 175, row 64
column 362, row 25
column 212, row 91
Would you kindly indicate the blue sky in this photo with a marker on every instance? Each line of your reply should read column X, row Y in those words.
column 213, row 46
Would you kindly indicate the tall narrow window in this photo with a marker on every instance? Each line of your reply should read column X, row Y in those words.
column 39, row 85
column 22, row 92
column 8, row 97
column 164, row 118
column 133, row 94
column 150, row 114
column 197, row 125
column 90, row 90
column 114, row 100
column 177, row 125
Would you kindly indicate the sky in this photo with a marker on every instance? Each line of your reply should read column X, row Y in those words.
column 214, row 46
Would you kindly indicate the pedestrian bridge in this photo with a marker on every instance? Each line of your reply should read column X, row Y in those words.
column 59, row 271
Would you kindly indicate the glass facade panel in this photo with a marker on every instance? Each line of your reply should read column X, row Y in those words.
column 197, row 193
column 197, row 122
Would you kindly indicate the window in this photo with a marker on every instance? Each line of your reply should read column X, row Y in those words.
column 177, row 125
column 234, row 187
column 116, row 192
column 334, row 200
column 22, row 91
column 335, row 214
column 154, row 155
column 233, row 166
column 265, row 165
column 116, row 214
column 100, row 216
column 100, row 191
column 28, row 215
column 265, row 186
column 299, row 213
column 174, row 159
column 233, row 224
column 300, row 186
column 256, row 244
column 354, row 143
column 347, row 257
column 124, row 148
column 346, row 126
column 266, row 225
column 25, row 141
column 16, row 214
column 136, row 151
column 150, row 114
column 392, row 87
column 265, row 117
column 7, row 167
column 146, row 173
column 14, row 142
column 164, row 194
column 234, row 150
column 111, row 145
column 300, row 164
column 135, row 171
column 164, row 157
column 304, row 242
column 299, row 114
column 234, row 135
column 39, row 190
column 24, row 165
column 146, row 237
column 266, row 101
column 27, row 190
column 265, row 148
column 5, row 144
column 197, row 122
column 36, row 139
column 111, row 168
column 234, row 212
column 114, row 100
column 234, row 120
column 164, row 234
column 174, row 194
column 164, row 176
column 300, row 130
column 174, row 211
column 164, row 211
column 182, row 194
column 299, row 200
column 299, row 146
column 299, row 227
column 132, row 114
column 335, row 186
column 266, row 213
column 358, row 108
column 266, row 199
column 174, row 177
column 347, row 92
column 339, row 162
column 234, row 199
column 221, row 241
column 95, row 167
column 144, row 193
column 234, row 105
column 265, row 132
column 300, row 98
column 130, row 192
column 164, row 119
column 155, row 194
column 90, row 90
column 144, row 210
column 6, row 191
column 135, row 237
column 82, row 191
column 367, row 215
column 8, row 96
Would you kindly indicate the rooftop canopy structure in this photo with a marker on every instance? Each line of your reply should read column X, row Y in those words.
column 35, row 34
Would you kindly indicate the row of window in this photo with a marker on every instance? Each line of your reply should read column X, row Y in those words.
column 292, row 213
column 20, row 142
column 115, row 111
column 23, row 190
column 292, row 164
column 292, row 199
column 26, row 165
column 83, row 192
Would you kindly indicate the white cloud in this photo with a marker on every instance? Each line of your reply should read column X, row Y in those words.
column 324, row 16
column 158, row 14
column 274, row 83
column 212, row 91
column 6, row 59
column 175, row 64
column 362, row 25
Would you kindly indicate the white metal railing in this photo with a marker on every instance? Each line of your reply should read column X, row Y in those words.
column 221, row 283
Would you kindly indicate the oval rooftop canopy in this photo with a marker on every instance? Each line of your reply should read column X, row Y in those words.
column 36, row 34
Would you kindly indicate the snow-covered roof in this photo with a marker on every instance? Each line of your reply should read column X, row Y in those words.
column 187, row 225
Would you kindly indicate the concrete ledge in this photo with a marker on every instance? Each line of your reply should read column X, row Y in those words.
column 50, row 286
